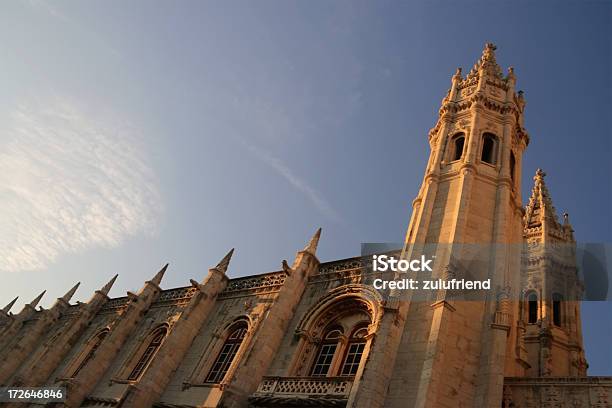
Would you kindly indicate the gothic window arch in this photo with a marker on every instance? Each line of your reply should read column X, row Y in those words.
column 153, row 341
column 512, row 166
column 235, row 336
column 335, row 333
column 457, row 146
column 489, row 148
column 532, row 307
column 557, row 300
column 89, row 351
column 339, row 354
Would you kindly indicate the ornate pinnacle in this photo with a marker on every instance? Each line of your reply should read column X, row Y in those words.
column 106, row 288
column 37, row 299
column 224, row 263
column 8, row 307
column 159, row 275
column 311, row 247
column 487, row 62
column 488, row 54
column 70, row 293
column 539, row 174
column 457, row 75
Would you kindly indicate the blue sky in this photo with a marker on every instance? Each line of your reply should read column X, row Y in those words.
column 135, row 134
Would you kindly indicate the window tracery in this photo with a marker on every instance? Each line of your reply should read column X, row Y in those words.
column 228, row 352
column 157, row 338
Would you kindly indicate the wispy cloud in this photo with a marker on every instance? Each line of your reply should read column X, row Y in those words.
column 68, row 183
column 298, row 183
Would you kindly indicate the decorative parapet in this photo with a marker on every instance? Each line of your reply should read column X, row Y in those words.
column 586, row 392
column 256, row 284
column 337, row 266
column 174, row 296
column 114, row 304
column 339, row 270
column 302, row 391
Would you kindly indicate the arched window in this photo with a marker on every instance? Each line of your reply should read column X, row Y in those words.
column 512, row 165
column 557, row 299
column 156, row 340
column 532, row 307
column 338, row 355
column 327, row 351
column 354, row 351
column 488, row 148
column 228, row 352
column 457, row 144
column 95, row 343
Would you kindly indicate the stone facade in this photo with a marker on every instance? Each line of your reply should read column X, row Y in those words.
column 319, row 334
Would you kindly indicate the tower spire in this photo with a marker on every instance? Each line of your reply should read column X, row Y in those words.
column 224, row 263
column 311, row 247
column 487, row 62
column 159, row 275
column 37, row 299
column 106, row 288
column 8, row 307
column 540, row 208
column 70, row 293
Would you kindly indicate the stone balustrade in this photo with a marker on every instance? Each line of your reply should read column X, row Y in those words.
column 292, row 391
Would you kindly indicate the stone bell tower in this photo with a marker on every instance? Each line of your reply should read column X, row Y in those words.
column 471, row 188
column 552, row 290
column 470, row 205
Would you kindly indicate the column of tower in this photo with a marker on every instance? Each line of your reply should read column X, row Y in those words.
column 28, row 338
column 120, row 329
column 50, row 354
column 15, row 322
column 170, row 354
column 247, row 374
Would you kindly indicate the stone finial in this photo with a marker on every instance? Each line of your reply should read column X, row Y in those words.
column 224, row 263
column 311, row 247
column 539, row 174
column 457, row 75
column 159, row 275
column 487, row 63
column 37, row 299
column 106, row 288
column 8, row 307
column 70, row 293
column 488, row 54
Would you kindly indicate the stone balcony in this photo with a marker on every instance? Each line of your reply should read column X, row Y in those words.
column 302, row 391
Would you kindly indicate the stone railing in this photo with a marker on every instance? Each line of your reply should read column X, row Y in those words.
column 320, row 391
column 256, row 284
column 585, row 392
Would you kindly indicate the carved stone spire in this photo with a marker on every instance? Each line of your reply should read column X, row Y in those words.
column 37, row 299
column 540, row 207
column 106, row 288
column 311, row 247
column 540, row 212
column 224, row 263
column 159, row 275
column 8, row 307
column 70, row 293
column 487, row 62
